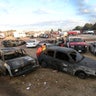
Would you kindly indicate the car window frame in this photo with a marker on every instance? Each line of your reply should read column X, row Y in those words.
column 46, row 52
column 62, row 53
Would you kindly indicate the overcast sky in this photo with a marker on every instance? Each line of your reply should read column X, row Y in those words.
column 23, row 12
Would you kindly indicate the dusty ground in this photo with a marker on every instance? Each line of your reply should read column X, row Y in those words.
column 47, row 82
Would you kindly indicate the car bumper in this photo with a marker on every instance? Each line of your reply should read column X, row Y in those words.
column 25, row 70
column 80, row 48
column 30, row 46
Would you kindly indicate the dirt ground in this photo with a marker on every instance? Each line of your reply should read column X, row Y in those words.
column 47, row 82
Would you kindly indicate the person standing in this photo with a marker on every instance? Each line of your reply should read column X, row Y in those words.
column 40, row 50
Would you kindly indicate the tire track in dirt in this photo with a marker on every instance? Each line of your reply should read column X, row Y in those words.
column 7, row 89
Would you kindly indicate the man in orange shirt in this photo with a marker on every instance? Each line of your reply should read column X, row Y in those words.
column 39, row 50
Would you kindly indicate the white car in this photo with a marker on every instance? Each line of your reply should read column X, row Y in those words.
column 32, row 43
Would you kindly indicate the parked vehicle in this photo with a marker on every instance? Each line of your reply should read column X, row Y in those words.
column 89, row 32
column 12, row 43
column 76, row 43
column 72, row 32
column 92, row 48
column 32, row 43
column 67, row 60
column 44, row 36
column 47, row 42
column 15, row 61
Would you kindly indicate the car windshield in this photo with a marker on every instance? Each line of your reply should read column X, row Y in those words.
column 8, row 54
column 76, row 57
column 76, row 40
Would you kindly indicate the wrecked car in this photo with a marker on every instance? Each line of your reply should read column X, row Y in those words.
column 67, row 60
column 76, row 43
column 92, row 48
column 13, row 43
column 15, row 62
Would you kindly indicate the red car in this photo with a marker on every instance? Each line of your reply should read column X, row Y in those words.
column 76, row 43
column 72, row 33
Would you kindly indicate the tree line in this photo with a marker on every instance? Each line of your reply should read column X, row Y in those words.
column 87, row 26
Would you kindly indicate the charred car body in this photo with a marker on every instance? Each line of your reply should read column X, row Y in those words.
column 15, row 62
column 76, row 43
column 92, row 48
column 12, row 43
column 67, row 60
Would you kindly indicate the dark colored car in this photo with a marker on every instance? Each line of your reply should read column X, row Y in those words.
column 77, row 43
column 68, row 60
column 47, row 42
column 15, row 62
column 92, row 48
column 12, row 43
column 44, row 36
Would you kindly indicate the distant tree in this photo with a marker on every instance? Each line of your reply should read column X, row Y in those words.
column 59, row 30
column 87, row 26
column 94, row 27
column 78, row 28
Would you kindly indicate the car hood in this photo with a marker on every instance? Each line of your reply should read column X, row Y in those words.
column 88, row 62
column 77, row 43
column 30, row 43
column 20, row 62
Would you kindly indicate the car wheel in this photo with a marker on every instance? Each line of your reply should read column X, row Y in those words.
column 81, row 75
column 3, row 74
column 43, row 64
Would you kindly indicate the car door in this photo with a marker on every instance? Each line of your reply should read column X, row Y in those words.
column 65, row 62
column 72, row 62
column 49, row 55
column 61, row 61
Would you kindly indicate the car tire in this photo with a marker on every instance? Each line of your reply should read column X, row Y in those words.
column 43, row 64
column 81, row 75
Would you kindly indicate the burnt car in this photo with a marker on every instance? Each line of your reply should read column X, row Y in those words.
column 43, row 36
column 67, row 60
column 92, row 48
column 13, row 43
column 47, row 42
column 76, row 43
column 15, row 62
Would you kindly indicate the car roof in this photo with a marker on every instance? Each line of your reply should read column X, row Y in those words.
column 9, row 49
column 61, row 49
